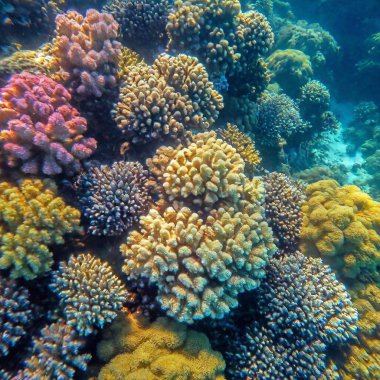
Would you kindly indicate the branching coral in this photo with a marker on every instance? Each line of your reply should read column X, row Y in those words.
column 278, row 119
column 283, row 200
column 173, row 95
column 243, row 144
column 32, row 218
column 113, row 198
column 201, row 260
column 87, row 51
column 160, row 350
column 142, row 22
column 55, row 354
column 15, row 314
column 302, row 311
column 290, row 68
column 341, row 225
column 128, row 60
column 227, row 41
column 89, row 292
column 39, row 130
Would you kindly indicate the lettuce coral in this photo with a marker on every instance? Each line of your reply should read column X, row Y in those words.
column 166, row 99
column 89, row 292
column 87, row 51
column 160, row 350
column 32, row 217
column 228, row 42
column 201, row 260
column 340, row 225
column 39, row 130
column 55, row 355
column 113, row 197
column 15, row 314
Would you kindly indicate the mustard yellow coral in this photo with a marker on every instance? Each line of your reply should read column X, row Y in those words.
column 341, row 224
column 128, row 60
column 32, row 217
column 162, row 350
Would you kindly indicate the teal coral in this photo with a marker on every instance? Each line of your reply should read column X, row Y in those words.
column 32, row 218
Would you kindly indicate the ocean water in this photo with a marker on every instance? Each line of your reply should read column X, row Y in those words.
column 189, row 189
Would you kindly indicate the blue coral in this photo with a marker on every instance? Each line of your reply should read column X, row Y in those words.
column 89, row 292
column 55, row 354
column 15, row 314
column 113, row 198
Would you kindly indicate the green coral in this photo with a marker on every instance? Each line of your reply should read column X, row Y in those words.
column 32, row 217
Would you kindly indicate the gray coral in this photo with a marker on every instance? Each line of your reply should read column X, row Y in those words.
column 89, row 292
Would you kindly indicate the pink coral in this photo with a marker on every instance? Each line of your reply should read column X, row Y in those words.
column 39, row 130
column 87, row 51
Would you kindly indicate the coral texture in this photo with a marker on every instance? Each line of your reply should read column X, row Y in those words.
column 15, row 314
column 341, row 225
column 283, row 200
column 40, row 132
column 55, row 355
column 160, row 350
column 87, row 51
column 128, row 60
column 166, row 99
column 302, row 311
column 142, row 22
column 32, row 218
column 227, row 41
column 201, row 261
column 89, row 292
column 113, row 197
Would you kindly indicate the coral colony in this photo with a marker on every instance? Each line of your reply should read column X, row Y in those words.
column 169, row 204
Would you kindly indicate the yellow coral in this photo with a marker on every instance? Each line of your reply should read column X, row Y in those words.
column 341, row 224
column 243, row 144
column 32, row 217
column 127, row 61
column 161, row 350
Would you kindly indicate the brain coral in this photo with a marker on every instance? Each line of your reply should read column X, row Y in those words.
column 173, row 95
column 142, row 22
column 278, row 119
column 39, row 130
column 113, row 198
column 55, row 355
column 227, row 41
column 302, row 311
column 201, row 260
column 160, row 350
column 283, row 200
column 32, row 217
column 340, row 225
column 87, row 51
column 15, row 314
column 89, row 292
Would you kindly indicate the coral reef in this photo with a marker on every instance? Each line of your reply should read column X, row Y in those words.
column 291, row 69
column 40, row 132
column 163, row 349
column 284, row 198
column 341, row 225
column 167, row 99
column 302, row 311
column 128, row 60
column 32, row 217
column 113, row 198
column 142, row 22
column 87, row 52
column 228, row 42
column 89, row 292
column 55, row 354
column 243, row 144
column 278, row 119
column 200, row 260
column 15, row 314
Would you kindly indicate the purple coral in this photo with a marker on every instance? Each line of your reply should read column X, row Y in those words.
column 87, row 51
column 39, row 130
column 15, row 313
